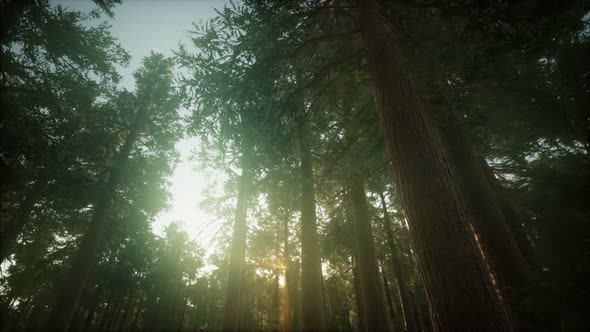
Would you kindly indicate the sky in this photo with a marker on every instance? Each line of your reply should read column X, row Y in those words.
column 142, row 26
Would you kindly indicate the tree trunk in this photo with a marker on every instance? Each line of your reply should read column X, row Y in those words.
column 499, row 245
column 312, row 301
column 511, row 215
column 374, row 305
column 126, row 312
column 357, row 295
column 16, row 226
column 104, row 315
column 114, row 314
column 90, row 314
column 231, row 311
column 275, row 310
column 137, row 312
column 69, row 296
column 287, row 287
column 401, row 278
column 438, row 220
column 388, row 294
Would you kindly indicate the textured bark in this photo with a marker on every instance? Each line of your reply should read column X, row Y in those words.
column 69, row 296
column 16, row 226
column 438, row 220
column 231, row 310
column 498, row 243
column 401, row 277
column 312, row 301
column 374, row 305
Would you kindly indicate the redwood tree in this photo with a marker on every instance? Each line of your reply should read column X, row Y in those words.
column 438, row 220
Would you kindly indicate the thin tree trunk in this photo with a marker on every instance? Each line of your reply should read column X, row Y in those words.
column 90, row 315
column 114, row 314
column 105, row 314
column 275, row 309
column 374, row 305
column 388, row 294
column 357, row 295
column 438, row 220
column 287, row 289
column 69, row 296
column 499, row 245
column 313, row 318
column 511, row 215
column 231, row 311
column 137, row 312
column 401, row 279
column 16, row 226
column 184, row 306
column 126, row 312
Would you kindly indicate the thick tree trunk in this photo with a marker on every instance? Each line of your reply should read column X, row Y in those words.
column 231, row 310
column 438, row 220
column 313, row 318
column 499, row 245
column 401, row 278
column 374, row 306
column 16, row 226
column 85, row 259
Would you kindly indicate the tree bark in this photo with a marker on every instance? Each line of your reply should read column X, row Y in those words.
column 374, row 306
column 231, row 311
column 312, row 316
column 69, row 296
column 499, row 245
column 401, row 278
column 438, row 220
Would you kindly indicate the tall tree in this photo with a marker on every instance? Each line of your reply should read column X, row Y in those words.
column 430, row 197
column 312, row 302
column 374, row 306
column 154, row 99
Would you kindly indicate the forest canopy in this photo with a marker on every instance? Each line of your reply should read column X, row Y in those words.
column 362, row 165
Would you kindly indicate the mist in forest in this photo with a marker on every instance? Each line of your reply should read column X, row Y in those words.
column 269, row 165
